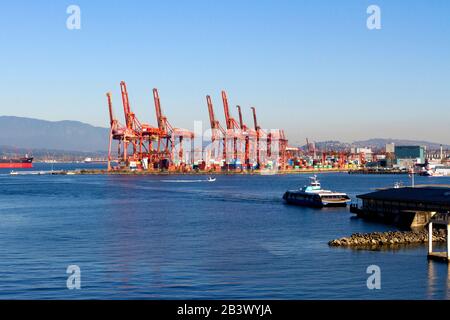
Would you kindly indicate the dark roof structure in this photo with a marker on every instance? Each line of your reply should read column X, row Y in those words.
column 438, row 194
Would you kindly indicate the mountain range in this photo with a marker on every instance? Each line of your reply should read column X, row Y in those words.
column 41, row 136
column 34, row 134
column 376, row 144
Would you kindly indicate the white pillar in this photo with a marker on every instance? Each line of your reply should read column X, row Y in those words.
column 448, row 241
column 430, row 237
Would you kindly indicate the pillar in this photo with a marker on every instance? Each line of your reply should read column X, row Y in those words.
column 448, row 241
column 430, row 238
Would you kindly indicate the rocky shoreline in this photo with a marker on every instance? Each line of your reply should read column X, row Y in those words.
column 388, row 238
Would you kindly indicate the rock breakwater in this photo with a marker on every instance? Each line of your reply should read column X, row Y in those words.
column 388, row 238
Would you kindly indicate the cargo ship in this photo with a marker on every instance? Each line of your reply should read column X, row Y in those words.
column 16, row 163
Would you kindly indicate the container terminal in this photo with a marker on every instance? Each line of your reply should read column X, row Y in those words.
column 235, row 147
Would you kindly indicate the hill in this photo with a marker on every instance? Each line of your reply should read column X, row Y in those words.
column 375, row 144
column 35, row 134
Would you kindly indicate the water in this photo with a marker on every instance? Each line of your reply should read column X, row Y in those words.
column 140, row 237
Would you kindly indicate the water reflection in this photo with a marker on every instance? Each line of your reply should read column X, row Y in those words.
column 447, row 287
column 433, row 279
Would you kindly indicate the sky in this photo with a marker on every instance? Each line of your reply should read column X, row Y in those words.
column 311, row 67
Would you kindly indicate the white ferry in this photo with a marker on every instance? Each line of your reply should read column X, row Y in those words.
column 314, row 196
column 436, row 171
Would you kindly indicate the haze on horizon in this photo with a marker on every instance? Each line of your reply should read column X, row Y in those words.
column 310, row 67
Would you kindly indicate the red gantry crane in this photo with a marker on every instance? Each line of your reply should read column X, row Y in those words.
column 173, row 135
column 217, row 131
column 233, row 129
column 258, row 137
column 140, row 135
column 250, row 137
column 144, row 138
column 163, row 146
column 116, row 132
column 272, row 135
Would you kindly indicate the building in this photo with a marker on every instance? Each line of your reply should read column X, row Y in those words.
column 365, row 154
column 406, row 206
column 390, row 148
column 407, row 156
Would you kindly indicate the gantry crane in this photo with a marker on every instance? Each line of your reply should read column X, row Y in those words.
column 258, row 137
column 163, row 146
column 141, row 135
column 249, row 135
column 116, row 132
column 217, row 130
column 171, row 134
column 233, row 128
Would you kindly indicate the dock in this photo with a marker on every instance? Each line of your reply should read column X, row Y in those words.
column 404, row 206
column 377, row 171
column 43, row 172
column 438, row 256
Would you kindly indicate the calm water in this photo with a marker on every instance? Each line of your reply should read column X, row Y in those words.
column 162, row 237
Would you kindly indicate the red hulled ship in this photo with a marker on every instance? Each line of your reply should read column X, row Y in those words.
column 26, row 162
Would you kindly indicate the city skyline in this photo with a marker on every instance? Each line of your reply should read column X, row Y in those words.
column 316, row 71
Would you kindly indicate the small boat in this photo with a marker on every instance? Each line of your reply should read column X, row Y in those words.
column 314, row 196
column 211, row 179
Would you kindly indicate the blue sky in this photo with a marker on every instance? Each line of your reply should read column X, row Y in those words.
column 310, row 67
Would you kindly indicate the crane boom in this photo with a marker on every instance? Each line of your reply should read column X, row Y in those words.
column 255, row 121
column 159, row 115
column 226, row 110
column 212, row 117
column 126, row 104
column 110, row 108
column 241, row 122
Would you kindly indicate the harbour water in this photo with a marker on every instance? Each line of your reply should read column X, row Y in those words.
column 166, row 237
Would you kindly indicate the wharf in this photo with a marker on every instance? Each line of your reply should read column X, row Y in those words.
column 405, row 207
column 438, row 256
column 375, row 171
column 209, row 173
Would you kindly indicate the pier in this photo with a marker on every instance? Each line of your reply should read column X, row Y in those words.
column 406, row 207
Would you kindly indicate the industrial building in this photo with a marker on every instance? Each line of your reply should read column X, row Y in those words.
column 408, row 156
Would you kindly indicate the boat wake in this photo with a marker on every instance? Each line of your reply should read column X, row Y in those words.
column 183, row 181
column 210, row 179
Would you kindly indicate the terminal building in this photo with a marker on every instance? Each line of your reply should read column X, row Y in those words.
column 405, row 206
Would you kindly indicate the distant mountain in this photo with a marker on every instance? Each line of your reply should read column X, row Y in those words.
column 6, row 151
column 52, row 137
column 35, row 134
column 381, row 143
column 376, row 144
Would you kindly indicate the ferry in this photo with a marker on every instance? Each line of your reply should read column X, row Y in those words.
column 436, row 171
column 314, row 196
